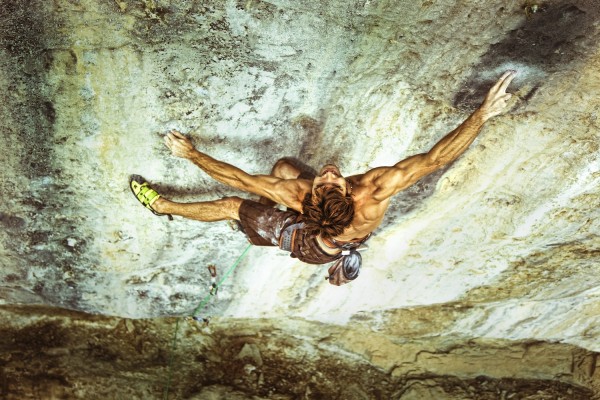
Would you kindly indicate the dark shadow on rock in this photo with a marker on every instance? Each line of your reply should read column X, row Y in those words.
column 312, row 142
column 546, row 42
column 12, row 222
column 24, row 29
column 408, row 199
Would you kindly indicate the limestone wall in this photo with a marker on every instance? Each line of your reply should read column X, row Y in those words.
column 506, row 237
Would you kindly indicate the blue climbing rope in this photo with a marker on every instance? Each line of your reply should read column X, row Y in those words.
column 201, row 305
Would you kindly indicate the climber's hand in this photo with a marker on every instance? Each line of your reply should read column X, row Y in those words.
column 179, row 145
column 496, row 99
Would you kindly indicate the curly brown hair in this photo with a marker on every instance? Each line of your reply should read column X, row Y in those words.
column 329, row 214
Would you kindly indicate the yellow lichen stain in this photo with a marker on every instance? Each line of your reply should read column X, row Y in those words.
column 122, row 5
column 427, row 4
column 107, row 145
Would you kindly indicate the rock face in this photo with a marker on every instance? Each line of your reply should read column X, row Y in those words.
column 496, row 256
column 63, row 354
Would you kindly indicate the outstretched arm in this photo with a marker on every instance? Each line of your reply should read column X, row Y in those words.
column 388, row 181
column 281, row 191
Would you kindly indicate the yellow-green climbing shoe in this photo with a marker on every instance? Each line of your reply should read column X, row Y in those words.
column 145, row 194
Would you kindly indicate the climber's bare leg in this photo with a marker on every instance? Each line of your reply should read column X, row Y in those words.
column 207, row 211
column 282, row 169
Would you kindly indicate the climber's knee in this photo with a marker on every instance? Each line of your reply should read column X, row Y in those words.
column 231, row 206
column 285, row 170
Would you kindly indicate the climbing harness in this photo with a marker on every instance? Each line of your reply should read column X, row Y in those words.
column 286, row 241
column 345, row 268
column 214, row 287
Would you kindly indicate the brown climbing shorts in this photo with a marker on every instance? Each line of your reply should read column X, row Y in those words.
column 263, row 224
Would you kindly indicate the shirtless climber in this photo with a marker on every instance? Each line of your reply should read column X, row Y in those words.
column 328, row 215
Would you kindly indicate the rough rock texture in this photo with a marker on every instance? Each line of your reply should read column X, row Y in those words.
column 501, row 247
column 70, row 355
